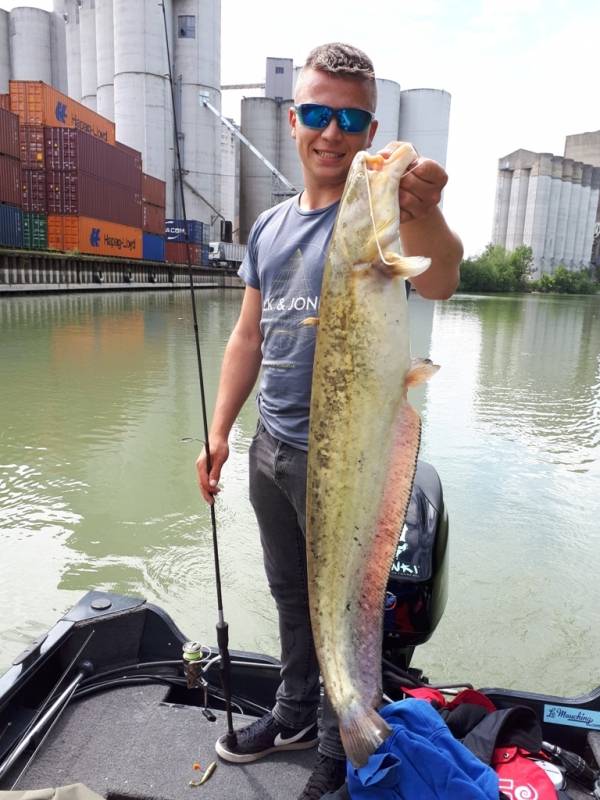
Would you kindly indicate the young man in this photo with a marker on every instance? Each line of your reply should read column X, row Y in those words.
column 331, row 120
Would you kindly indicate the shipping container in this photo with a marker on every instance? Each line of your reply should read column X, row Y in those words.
column 94, row 237
column 204, row 255
column 35, row 231
column 132, row 152
column 10, row 181
column 177, row 253
column 153, row 247
column 90, row 196
column 153, row 219
column 9, row 134
column 11, row 226
column 63, row 233
column 154, row 191
column 31, row 146
column 197, row 231
column 33, row 190
column 68, row 149
column 231, row 252
column 5, row 101
column 36, row 103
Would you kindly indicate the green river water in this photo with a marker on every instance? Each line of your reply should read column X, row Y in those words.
column 100, row 425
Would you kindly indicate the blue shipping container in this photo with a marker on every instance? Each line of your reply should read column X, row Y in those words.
column 11, row 226
column 153, row 247
column 175, row 231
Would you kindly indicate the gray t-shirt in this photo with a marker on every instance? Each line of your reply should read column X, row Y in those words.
column 285, row 260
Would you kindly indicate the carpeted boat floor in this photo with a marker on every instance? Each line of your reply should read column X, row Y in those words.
column 127, row 744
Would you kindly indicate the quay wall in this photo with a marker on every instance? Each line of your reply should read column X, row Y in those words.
column 30, row 271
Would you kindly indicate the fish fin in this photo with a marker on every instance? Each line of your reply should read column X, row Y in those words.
column 401, row 266
column 421, row 369
column 310, row 321
column 362, row 730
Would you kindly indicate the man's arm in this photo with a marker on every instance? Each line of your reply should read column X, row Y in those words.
column 424, row 231
column 239, row 370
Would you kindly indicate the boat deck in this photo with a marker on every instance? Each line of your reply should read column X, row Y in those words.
column 129, row 743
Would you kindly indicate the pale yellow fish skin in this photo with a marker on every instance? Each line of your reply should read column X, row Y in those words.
column 358, row 402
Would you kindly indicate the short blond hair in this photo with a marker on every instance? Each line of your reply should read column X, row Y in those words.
column 342, row 61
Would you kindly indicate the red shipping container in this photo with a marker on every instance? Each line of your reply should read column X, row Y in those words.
column 36, row 103
column 10, row 181
column 176, row 253
column 73, row 150
column 90, row 196
column 135, row 154
column 5, row 101
column 33, row 187
column 153, row 191
column 153, row 219
column 32, row 146
column 9, row 134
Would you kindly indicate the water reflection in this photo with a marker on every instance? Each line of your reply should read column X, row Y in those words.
column 100, row 424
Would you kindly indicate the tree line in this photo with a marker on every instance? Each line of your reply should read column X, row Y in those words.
column 501, row 270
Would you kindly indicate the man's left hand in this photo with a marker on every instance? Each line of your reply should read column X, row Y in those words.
column 421, row 189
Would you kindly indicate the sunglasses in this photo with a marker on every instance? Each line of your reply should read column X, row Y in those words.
column 349, row 120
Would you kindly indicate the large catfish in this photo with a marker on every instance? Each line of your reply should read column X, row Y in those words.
column 363, row 442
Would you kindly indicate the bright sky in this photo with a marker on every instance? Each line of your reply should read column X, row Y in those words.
column 522, row 73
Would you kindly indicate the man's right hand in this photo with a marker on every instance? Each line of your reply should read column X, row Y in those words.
column 209, row 483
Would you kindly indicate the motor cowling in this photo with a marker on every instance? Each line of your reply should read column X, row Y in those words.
column 418, row 586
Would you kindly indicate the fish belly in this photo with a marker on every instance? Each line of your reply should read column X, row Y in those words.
column 363, row 446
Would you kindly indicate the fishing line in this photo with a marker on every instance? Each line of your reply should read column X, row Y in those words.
column 222, row 626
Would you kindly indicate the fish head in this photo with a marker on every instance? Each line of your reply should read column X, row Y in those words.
column 370, row 205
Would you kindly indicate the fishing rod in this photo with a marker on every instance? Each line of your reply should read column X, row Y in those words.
column 222, row 626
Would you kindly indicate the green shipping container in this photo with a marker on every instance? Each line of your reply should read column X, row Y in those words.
column 35, row 231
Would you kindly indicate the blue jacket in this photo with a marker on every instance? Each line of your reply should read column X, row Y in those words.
column 421, row 760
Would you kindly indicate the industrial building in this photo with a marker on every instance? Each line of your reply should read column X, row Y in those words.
column 111, row 55
column 551, row 203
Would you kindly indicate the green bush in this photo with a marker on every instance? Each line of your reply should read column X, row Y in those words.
column 500, row 270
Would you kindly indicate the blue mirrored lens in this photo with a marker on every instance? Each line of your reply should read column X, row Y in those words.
column 350, row 120
column 353, row 120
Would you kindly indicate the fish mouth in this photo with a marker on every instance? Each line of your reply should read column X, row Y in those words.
column 393, row 155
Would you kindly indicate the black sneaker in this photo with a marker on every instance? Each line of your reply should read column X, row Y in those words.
column 264, row 736
column 328, row 775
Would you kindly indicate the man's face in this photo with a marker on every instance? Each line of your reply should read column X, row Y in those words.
column 326, row 154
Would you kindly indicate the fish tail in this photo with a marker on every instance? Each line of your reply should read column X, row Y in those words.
column 362, row 730
column 398, row 266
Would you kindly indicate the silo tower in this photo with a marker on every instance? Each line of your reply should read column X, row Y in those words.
column 30, row 44
column 196, row 71
column 142, row 98
column 4, row 52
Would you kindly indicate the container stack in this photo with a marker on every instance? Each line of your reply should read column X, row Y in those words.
column 11, row 215
column 175, row 246
column 153, row 218
column 80, row 189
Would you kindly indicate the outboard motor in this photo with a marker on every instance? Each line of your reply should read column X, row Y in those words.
column 417, row 587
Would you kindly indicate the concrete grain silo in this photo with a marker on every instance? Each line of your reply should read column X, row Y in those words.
column 141, row 89
column 579, row 259
column 30, row 44
column 574, row 211
column 537, row 208
column 425, row 121
column 87, row 39
column 564, row 202
column 555, row 190
column 4, row 52
column 197, row 60
column 73, row 49
column 261, row 119
column 59, row 47
column 502, row 204
column 229, row 204
column 105, row 59
column 592, row 242
column 387, row 113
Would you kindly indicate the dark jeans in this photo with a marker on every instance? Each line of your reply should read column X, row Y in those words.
column 278, row 496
